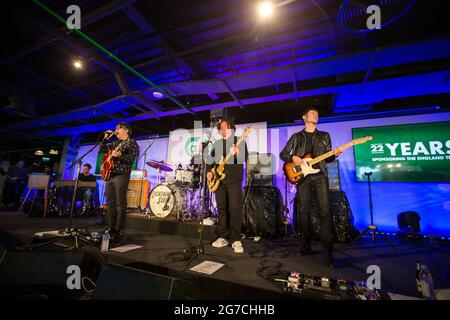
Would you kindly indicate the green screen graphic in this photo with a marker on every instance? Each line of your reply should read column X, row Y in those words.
column 413, row 152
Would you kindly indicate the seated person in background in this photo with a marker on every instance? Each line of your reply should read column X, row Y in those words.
column 88, row 198
column 86, row 174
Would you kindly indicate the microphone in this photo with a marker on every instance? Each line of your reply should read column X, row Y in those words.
column 215, row 119
column 109, row 134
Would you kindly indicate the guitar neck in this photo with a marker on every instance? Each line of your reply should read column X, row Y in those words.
column 117, row 148
column 238, row 142
column 330, row 153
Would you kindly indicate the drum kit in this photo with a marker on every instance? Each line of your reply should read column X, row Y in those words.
column 179, row 197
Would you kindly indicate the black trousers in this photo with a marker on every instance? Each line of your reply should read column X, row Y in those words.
column 229, row 205
column 317, row 183
column 116, row 198
column 13, row 193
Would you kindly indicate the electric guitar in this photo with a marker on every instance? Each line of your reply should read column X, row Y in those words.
column 295, row 174
column 107, row 162
column 218, row 169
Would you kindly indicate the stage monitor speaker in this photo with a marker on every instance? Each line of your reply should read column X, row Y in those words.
column 44, row 274
column 133, row 193
column 409, row 221
column 117, row 282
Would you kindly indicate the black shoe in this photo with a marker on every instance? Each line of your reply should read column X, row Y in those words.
column 329, row 260
column 118, row 237
column 306, row 249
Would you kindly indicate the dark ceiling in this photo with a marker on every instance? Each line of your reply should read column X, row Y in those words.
column 204, row 55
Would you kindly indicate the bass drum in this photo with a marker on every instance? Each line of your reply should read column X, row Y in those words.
column 167, row 199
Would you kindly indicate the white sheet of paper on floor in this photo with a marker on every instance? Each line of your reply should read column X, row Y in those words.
column 126, row 248
column 208, row 267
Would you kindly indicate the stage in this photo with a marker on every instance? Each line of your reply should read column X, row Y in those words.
column 250, row 275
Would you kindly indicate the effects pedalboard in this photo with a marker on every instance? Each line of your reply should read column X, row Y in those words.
column 308, row 286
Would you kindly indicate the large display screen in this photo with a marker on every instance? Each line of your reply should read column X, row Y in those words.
column 413, row 152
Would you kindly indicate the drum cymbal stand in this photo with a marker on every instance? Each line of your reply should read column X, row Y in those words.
column 142, row 177
column 200, row 249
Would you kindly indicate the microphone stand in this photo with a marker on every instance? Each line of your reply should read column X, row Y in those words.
column 142, row 177
column 249, row 186
column 372, row 228
column 200, row 249
column 70, row 231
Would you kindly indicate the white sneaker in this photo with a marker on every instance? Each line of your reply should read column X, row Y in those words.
column 220, row 243
column 237, row 246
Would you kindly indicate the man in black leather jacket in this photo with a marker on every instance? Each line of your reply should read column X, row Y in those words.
column 311, row 140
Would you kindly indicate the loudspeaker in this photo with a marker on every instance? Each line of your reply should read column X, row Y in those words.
column 263, row 212
column 117, row 282
column 133, row 193
column 409, row 221
column 44, row 274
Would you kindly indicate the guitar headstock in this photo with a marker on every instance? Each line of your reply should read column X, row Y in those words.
column 247, row 132
column 362, row 140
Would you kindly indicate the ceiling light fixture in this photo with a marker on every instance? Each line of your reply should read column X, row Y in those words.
column 78, row 64
column 158, row 95
column 265, row 9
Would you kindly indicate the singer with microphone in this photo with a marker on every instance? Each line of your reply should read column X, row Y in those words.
column 124, row 151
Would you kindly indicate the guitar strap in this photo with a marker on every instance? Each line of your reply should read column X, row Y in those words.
column 118, row 147
column 224, row 148
column 313, row 141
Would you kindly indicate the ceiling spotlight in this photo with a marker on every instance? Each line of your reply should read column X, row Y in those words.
column 78, row 64
column 53, row 151
column 39, row 153
column 265, row 9
column 158, row 95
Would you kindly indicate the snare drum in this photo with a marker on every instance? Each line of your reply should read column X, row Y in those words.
column 167, row 199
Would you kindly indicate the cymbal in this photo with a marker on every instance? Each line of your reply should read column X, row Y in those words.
column 159, row 165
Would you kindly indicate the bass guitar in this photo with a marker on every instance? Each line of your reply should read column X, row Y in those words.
column 295, row 174
column 217, row 170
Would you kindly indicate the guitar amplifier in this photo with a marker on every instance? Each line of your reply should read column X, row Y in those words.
column 260, row 169
column 133, row 193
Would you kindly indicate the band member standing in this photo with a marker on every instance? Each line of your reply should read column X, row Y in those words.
column 15, row 184
column 117, row 185
column 311, row 140
column 229, row 192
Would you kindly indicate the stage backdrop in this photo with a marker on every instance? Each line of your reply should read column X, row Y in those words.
column 183, row 144
column 430, row 199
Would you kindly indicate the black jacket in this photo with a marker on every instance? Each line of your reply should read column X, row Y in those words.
column 296, row 147
column 123, row 164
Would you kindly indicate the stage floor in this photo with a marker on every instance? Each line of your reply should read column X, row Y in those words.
column 251, row 275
